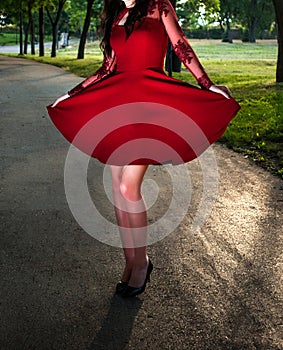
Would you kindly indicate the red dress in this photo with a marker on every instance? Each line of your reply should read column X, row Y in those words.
column 131, row 112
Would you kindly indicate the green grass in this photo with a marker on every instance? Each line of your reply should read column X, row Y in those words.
column 13, row 38
column 249, row 71
column 257, row 130
column 9, row 39
column 214, row 49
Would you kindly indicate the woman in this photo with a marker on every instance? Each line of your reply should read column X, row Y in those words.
column 134, row 47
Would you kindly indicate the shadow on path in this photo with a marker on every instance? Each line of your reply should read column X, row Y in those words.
column 116, row 328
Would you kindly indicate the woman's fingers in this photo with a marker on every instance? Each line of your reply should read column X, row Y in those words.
column 59, row 99
column 55, row 103
column 219, row 89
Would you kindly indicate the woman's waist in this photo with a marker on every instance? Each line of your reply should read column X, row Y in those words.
column 139, row 71
column 138, row 67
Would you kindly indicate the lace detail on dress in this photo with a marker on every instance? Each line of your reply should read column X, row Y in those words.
column 183, row 51
column 180, row 43
column 163, row 8
column 108, row 66
column 205, row 82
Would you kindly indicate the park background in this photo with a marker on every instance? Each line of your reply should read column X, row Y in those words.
column 239, row 43
column 219, row 288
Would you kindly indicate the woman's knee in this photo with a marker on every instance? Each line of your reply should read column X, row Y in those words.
column 130, row 191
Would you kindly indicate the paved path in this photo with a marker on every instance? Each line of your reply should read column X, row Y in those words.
column 214, row 289
column 16, row 48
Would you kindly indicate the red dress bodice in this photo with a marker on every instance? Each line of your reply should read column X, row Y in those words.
column 148, row 46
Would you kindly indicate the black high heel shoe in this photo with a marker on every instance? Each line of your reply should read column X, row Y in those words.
column 121, row 287
column 133, row 291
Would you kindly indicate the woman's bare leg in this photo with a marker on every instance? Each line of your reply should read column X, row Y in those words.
column 123, row 222
column 132, row 177
column 132, row 219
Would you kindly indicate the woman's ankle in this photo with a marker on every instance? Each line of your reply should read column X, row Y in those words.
column 141, row 262
column 127, row 270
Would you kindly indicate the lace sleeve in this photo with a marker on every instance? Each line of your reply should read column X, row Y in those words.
column 108, row 66
column 180, row 44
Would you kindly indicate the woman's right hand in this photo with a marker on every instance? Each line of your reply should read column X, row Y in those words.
column 59, row 99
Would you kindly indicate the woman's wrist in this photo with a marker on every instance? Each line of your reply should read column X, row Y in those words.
column 204, row 82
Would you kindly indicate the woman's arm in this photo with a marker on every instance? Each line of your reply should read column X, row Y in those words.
column 108, row 66
column 183, row 49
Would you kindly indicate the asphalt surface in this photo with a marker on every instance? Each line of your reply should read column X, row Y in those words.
column 16, row 48
column 216, row 288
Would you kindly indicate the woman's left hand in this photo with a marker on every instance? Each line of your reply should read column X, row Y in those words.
column 221, row 89
column 61, row 98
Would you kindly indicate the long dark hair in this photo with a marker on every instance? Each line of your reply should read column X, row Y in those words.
column 110, row 12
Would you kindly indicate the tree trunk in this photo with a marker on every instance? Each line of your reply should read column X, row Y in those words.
column 278, row 5
column 54, row 40
column 54, row 24
column 229, row 38
column 31, row 29
column 252, row 29
column 26, row 33
column 253, row 21
column 41, row 31
column 85, row 30
column 279, row 70
column 21, row 28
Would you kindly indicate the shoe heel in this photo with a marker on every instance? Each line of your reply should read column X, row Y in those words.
column 150, row 268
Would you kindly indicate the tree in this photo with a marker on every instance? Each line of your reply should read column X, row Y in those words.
column 40, row 7
column 41, row 30
column 21, row 28
column 58, row 5
column 85, row 29
column 253, row 14
column 30, row 16
column 204, row 10
column 29, row 26
column 278, row 5
column 252, row 19
column 15, row 14
column 186, row 15
column 76, row 14
column 89, row 10
column 229, row 11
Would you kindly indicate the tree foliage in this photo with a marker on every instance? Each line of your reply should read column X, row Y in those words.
column 204, row 11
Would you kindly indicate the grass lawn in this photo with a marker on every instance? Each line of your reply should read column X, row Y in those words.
column 9, row 39
column 249, row 71
column 13, row 38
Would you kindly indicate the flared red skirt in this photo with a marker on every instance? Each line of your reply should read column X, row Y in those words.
column 143, row 117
